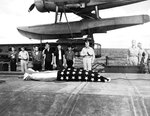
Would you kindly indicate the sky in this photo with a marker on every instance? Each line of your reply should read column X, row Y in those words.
column 14, row 13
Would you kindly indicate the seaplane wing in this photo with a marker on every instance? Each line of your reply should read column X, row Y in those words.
column 80, row 28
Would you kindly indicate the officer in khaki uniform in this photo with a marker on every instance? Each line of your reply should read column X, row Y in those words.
column 132, row 56
column 24, row 58
column 88, row 56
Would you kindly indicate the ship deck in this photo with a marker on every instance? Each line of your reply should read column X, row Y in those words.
column 128, row 94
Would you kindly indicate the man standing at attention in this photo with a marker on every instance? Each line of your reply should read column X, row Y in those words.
column 132, row 56
column 88, row 56
column 37, row 59
column 70, row 57
column 141, row 51
column 48, row 57
column 59, row 57
column 24, row 58
column 142, row 58
column 13, row 59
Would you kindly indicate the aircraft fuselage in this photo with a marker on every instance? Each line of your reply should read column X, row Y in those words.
column 79, row 5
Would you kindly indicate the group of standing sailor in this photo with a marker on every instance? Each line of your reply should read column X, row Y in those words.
column 51, row 59
column 60, row 58
column 137, row 55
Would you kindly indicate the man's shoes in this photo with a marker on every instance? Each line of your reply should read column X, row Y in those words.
column 25, row 76
column 108, row 79
column 104, row 79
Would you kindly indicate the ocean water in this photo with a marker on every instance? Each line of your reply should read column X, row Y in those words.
column 114, row 52
column 115, row 56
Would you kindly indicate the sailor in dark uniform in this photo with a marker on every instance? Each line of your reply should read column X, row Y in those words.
column 13, row 59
